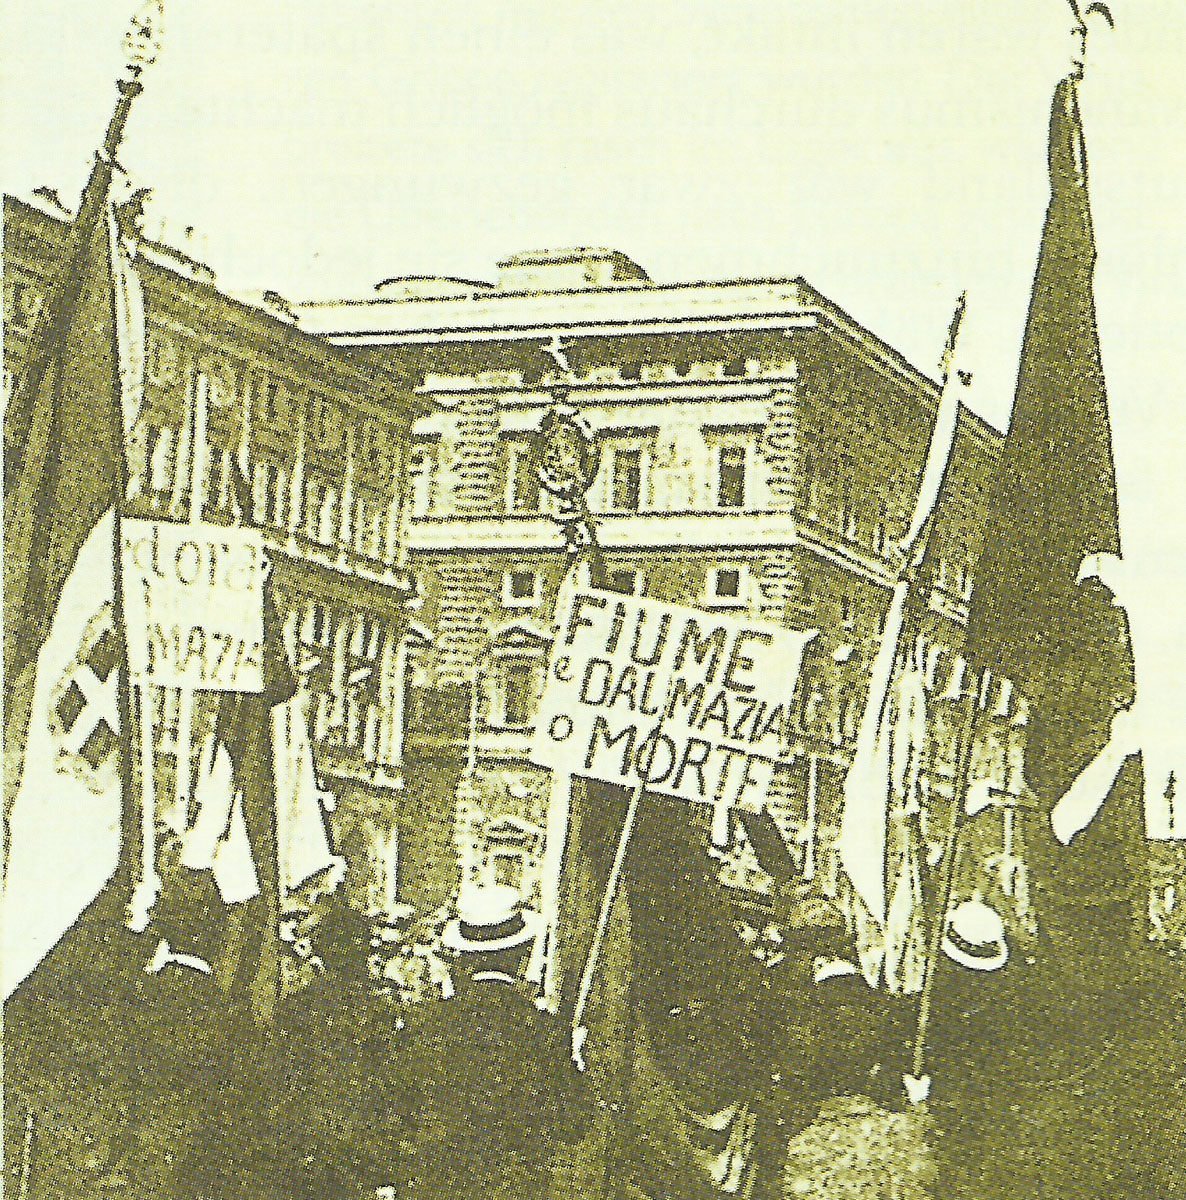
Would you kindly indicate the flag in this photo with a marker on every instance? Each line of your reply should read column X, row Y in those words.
column 891, row 945
column 63, row 646
column 864, row 819
column 237, row 829
column 595, row 813
column 1040, row 613
column 304, row 842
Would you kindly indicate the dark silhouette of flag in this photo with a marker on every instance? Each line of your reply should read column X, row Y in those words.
column 1034, row 616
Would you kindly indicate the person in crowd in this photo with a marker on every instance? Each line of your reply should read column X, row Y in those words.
column 210, row 1069
column 490, row 1086
column 338, row 1069
column 839, row 1041
column 977, row 1029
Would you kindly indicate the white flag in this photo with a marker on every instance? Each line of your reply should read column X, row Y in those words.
column 301, row 835
column 64, row 824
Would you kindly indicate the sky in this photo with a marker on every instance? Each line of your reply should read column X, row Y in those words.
column 890, row 151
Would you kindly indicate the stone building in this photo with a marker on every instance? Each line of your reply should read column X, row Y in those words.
column 324, row 436
column 759, row 451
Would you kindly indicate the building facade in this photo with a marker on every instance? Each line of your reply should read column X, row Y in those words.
column 323, row 439
column 760, row 452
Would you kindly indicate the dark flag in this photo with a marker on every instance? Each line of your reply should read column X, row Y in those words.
column 595, row 818
column 1039, row 613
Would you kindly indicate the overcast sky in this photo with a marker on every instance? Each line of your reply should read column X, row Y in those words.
column 891, row 151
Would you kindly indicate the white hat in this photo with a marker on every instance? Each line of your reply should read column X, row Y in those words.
column 489, row 918
column 975, row 937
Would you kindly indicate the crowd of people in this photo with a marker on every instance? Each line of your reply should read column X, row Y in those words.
column 419, row 1061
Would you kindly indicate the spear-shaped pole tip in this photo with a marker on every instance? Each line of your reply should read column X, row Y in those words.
column 142, row 42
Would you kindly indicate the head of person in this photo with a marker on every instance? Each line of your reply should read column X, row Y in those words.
column 975, row 938
column 492, row 931
column 342, row 940
column 817, row 934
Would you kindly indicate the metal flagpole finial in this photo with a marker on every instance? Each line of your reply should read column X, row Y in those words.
column 142, row 42
column 1081, row 30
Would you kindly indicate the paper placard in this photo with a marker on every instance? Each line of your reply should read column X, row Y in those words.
column 193, row 605
column 695, row 704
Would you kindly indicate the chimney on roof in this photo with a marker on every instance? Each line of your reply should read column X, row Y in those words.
column 569, row 270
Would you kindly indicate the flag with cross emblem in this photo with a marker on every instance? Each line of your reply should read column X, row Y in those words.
column 63, row 645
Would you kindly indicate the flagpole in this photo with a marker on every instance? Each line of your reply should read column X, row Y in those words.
column 55, row 312
column 28, row 426
column 570, row 485
column 197, row 504
column 863, row 838
column 959, row 796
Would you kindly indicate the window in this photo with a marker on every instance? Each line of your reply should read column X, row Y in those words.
column 523, row 485
column 318, row 624
column 160, row 461
column 626, row 479
column 264, row 492
column 281, row 505
column 375, row 537
column 881, row 529
column 313, row 494
column 507, row 868
column 848, row 612
column 725, row 586
column 328, row 427
column 850, row 713
column 624, row 580
column 731, row 477
column 420, row 481
column 518, row 676
column 327, row 524
column 520, row 589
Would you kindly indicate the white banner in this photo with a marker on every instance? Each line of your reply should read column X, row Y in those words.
column 696, row 705
column 193, row 605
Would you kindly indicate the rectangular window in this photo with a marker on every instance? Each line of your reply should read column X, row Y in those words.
column 523, row 485
column 726, row 586
column 517, row 674
column 320, row 629
column 881, row 529
column 281, row 508
column 421, row 484
column 520, row 589
column 624, row 580
column 731, row 477
column 267, row 400
column 626, row 485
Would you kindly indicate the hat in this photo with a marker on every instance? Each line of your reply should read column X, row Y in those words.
column 975, row 937
column 489, row 918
